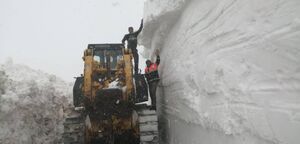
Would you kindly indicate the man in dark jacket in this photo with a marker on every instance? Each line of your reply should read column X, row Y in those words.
column 131, row 39
column 151, row 73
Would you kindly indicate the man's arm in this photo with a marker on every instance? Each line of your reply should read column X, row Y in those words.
column 140, row 29
column 157, row 57
column 124, row 39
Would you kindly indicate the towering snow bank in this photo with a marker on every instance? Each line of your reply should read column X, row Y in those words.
column 230, row 69
column 31, row 105
column 160, row 16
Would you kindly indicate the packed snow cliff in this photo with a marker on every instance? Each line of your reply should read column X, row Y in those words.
column 230, row 70
column 31, row 105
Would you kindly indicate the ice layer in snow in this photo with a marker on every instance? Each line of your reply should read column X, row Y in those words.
column 230, row 70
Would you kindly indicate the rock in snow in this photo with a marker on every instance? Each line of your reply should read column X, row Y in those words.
column 230, row 70
column 31, row 105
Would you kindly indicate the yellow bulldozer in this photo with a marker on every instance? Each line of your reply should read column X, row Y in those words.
column 107, row 99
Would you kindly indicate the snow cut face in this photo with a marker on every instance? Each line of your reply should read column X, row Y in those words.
column 230, row 67
column 31, row 105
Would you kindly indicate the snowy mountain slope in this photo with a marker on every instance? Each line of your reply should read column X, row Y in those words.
column 230, row 69
column 31, row 105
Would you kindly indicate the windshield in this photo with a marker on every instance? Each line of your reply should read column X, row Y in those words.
column 108, row 57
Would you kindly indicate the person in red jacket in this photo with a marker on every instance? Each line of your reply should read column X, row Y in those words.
column 152, row 76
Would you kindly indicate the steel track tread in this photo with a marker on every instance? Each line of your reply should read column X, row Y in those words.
column 73, row 129
column 148, row 126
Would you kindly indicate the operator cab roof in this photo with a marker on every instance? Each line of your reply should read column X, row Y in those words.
column 113, row 46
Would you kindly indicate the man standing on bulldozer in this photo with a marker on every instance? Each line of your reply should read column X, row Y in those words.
column 151, row 73
column 131, row 38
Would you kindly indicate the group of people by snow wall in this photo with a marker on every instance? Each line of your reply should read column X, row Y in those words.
column 151, row 70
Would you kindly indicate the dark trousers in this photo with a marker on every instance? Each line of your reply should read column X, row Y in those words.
column 136, row 59
column 152, row 89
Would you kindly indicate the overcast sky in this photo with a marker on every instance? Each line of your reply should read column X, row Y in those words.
column 51, row 35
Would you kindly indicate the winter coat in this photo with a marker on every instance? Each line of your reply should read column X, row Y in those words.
column 151, row 72
column 131, row 38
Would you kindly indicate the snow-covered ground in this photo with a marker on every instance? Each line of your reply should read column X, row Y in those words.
column 31, row 105
column 230, row 70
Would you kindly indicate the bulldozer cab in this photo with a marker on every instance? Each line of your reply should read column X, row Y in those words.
column 107, row 55
column 107, row 60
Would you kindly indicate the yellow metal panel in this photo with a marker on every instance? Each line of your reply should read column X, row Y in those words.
column 88, row 71
column 128, row 75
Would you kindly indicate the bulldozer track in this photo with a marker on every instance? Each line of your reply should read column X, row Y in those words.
column 148, row 126
column 73, row 128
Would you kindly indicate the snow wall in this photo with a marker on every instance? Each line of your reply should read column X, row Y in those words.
column 31, row 105
column 230, row 70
